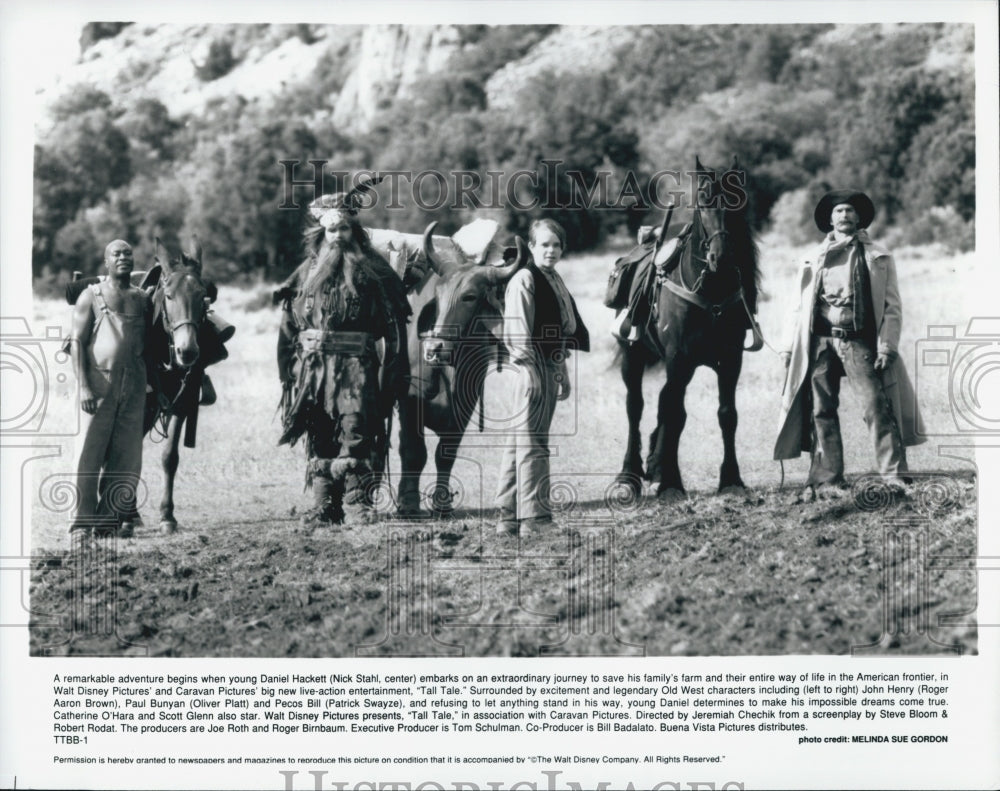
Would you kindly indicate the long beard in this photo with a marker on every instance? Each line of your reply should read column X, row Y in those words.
column 334, row 257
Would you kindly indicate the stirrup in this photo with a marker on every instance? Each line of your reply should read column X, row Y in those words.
column 623, row 328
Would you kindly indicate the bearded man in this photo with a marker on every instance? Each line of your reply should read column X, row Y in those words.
column 340, row 306
column 847, row 323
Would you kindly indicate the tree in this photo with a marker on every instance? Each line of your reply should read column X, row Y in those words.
column 83, row 157
column 148, row 121
column 219, row 61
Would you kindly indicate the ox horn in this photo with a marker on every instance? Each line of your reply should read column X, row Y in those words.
column 432, row 261
column 501, row 274
column 364, row 184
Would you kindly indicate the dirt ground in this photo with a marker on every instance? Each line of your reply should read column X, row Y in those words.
column 715, row 575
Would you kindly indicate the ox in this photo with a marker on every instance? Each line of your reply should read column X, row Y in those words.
column 453, row 286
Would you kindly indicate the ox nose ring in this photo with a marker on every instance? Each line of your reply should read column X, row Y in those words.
column 432, row 351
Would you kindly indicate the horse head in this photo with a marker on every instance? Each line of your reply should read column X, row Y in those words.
column 711, row 223
column 466, row 299
column 181, row 300
column 717, row 252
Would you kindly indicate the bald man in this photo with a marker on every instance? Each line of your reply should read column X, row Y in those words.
column 109, row 329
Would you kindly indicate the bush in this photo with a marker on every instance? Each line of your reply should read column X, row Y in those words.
column 791, row 216
column 939, row 225
column 95, row 31
column 219, row 63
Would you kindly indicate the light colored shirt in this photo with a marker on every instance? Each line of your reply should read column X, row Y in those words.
column 836, row 291
column 519, row 317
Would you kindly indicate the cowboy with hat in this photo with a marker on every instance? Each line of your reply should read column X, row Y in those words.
column 847, row 323
column 341, row 358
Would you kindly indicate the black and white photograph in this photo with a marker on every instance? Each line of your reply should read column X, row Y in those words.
column 500, row 395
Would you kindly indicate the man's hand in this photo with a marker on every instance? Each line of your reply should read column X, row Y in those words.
column 88, row 402
column 531, row 381
column 884, row 360
column 786, row 358
column 562, row 387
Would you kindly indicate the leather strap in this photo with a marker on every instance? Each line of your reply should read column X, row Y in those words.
column 716, row 309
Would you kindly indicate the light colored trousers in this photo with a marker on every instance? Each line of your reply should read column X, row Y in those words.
column 523, row 488
column 832, row 360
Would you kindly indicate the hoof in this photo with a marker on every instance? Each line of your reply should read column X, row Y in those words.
column 834, row 490
column 671, row 496
column 506, row 528
column 807, row 495
column 733, row 488
column 631, row 480
column 168, row 526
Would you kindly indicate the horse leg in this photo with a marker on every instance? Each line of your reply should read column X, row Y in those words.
column 632, row 369
column 444, row 460
column 670, row 419
column 729, row 472
column 171, row 457
column 412, row 457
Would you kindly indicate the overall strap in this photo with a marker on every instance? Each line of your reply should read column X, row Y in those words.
column 100, row 304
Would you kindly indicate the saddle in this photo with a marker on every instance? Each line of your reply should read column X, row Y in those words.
column 634, row 279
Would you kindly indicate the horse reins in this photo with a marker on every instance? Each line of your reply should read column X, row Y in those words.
column 164, row 412
column 162, row 420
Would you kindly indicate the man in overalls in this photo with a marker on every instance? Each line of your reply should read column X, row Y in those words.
column 109, row 328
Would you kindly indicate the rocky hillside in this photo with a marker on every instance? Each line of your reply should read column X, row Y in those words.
column 189, row 66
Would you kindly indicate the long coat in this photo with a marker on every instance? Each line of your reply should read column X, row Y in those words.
column 794, row 434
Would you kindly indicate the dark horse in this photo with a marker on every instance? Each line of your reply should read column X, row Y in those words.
column 699, row 305
column 182, row 340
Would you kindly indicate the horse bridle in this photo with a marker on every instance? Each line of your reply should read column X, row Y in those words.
column 716, row 309
column 706, row 244
column 170, row 326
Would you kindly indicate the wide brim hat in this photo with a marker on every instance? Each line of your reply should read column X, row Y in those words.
column 862, row 205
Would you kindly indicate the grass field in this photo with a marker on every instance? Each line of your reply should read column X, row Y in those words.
column 760, row 574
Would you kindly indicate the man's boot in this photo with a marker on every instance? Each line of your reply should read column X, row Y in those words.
column 358, row 508
column 321, row 514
